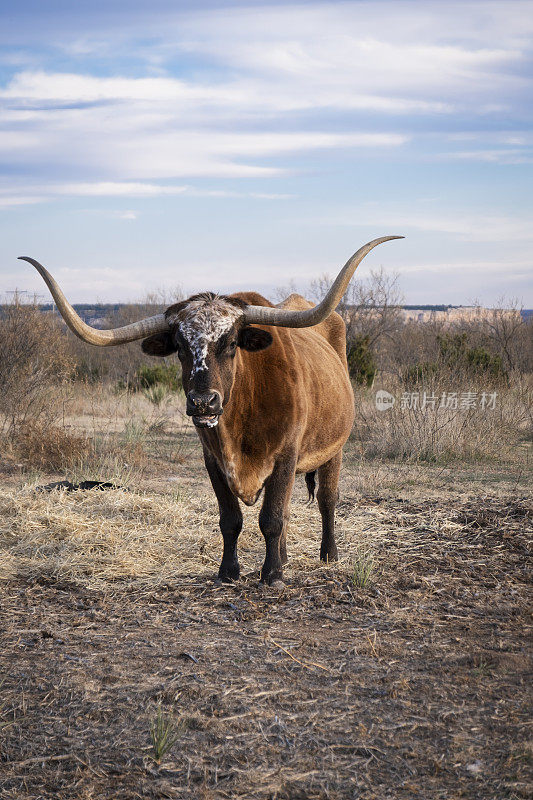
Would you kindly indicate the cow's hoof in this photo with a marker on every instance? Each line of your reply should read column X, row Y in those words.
column 228, row 574
column 275, row 579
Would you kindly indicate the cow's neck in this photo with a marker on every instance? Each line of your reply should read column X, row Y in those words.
column 231, row 441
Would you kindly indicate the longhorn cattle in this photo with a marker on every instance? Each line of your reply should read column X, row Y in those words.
column 269, row 393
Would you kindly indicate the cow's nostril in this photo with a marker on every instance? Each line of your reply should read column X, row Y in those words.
column 208, row 402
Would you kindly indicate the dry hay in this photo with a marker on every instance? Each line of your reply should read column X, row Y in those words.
column 412, row 687
column 142, row 539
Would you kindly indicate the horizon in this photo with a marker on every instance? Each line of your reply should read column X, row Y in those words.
column 51, row 306
column 195, row 144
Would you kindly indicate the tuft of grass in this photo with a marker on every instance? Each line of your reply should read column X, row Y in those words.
column 134, row 432
column 165, row 731
column 482, row 668
column 363, row 569
column 157, row 393
column 106, row 466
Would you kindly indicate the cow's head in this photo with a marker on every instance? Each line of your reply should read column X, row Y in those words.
column 206, row 332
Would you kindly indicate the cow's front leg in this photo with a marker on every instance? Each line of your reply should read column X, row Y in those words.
column 230, row 520
column 274, row 517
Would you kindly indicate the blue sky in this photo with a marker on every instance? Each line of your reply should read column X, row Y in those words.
column 243, row 146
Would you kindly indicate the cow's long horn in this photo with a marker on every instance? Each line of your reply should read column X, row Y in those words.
column 128, row 333
column 266, row 315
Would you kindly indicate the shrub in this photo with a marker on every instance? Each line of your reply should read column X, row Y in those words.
column 439, row 432
column 48, row 447
column 87, row 372
column 168, row 375
column 361, row 363
column 148, row 378
column 455, row 356
column 35, row 360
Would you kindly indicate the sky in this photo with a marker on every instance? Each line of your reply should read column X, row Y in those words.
column 234, row 146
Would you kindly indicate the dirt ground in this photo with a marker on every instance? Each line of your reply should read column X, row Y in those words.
column 415, row 685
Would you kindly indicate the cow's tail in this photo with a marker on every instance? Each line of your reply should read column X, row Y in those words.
column 311, row 484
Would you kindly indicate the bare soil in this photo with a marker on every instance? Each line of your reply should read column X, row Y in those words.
column 416, row 685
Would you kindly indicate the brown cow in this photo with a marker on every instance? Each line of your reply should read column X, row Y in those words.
column 268, row 400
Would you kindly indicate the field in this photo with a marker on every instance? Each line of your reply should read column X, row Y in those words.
column 400, row 672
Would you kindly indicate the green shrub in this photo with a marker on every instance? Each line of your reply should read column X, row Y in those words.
column 87, row 372
column 455, row 355
column 420, row 373
column 168, row 375
column 148, row 378
column 361, row 363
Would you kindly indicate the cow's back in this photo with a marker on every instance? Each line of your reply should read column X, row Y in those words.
column 332, row 328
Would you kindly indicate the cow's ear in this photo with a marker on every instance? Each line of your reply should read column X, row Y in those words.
column 161, row 344
column 254, row 339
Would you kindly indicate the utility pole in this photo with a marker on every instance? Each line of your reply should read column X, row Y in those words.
column 16, row 295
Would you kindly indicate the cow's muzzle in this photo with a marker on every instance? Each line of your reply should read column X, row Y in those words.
column 204, row 408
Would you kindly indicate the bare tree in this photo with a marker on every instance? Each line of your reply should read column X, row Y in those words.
column 370, row 307
column 506, row 329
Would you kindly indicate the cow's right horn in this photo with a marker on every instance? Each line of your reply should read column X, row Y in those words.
column 108, row 338
column 284, row 317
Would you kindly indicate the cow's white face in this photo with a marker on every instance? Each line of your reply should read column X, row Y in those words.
column 204, row 325
column 206, row 331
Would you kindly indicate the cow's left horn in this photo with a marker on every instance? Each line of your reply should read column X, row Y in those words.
column 128, row 333
column 266, row 315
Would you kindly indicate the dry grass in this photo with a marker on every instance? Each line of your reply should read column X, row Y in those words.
column 432, row 433
column 145, row 540
column 48, row 447
column 139, row 539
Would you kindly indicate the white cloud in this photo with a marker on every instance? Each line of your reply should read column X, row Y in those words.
column 9, row 200
column 261, row 69
column 240, row 96
column 465, row 225
column 43, row 193
column 516, row 268
column 391, row 49
column 116, row 189
column 495, row 156
column 146, row 141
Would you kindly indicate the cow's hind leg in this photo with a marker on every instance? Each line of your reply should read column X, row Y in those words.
column 230, row 520
column 274, row 518
column 327, row 496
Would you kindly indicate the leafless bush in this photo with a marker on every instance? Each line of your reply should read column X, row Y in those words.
column 49, row 447
column 445, row 419
column 35, row 360
column 372, row 311
column 503, row 333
